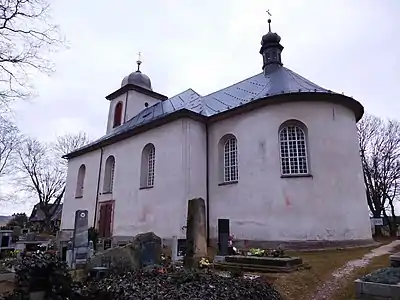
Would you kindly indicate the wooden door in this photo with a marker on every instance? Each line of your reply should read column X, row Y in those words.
column 105, row 220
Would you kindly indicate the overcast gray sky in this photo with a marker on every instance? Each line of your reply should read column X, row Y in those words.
column 345, row 46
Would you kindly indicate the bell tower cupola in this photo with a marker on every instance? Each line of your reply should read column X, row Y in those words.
column 271, row 50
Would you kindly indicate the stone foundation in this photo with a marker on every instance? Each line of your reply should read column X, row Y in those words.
column 288, row 245
column 300, row 245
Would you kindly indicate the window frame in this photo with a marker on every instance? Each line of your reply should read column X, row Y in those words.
column 80, row 182
column 296, row 125
column 151, row 162
column 148, row 166
column 108, row 183
column 228, row 157
column 119, row 107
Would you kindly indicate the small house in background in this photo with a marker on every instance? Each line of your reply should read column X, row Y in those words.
column 38, row 216
column 4, row 220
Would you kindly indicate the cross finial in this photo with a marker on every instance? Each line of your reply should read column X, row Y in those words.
column 139, row 61
column 269, row 20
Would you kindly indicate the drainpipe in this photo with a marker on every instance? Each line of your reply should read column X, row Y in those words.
column 125, row 107
column 207, row 189
column 98, row 188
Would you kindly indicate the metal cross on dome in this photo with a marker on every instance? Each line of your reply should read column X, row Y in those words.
column 269, row 20
column 139, row 61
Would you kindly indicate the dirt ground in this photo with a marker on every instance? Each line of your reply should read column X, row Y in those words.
column 6, row 286
column 333, row 271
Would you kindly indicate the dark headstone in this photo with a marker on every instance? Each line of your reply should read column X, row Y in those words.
column 98, row 273
column 64, row 253
column 107, row 244
column 5, row 241
column 81, row 236
column 144, row 250
column 223, row 236
column 150, row 248
column 181, row 247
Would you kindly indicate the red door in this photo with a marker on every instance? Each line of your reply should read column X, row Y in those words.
column 105, row 220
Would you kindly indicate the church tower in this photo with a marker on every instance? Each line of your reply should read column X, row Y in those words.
column 134, row 95
column 271, row 50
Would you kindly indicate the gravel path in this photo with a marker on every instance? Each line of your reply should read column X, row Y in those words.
column 329, row 287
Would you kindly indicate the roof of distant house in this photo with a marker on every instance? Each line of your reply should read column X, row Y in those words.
column 38, row 215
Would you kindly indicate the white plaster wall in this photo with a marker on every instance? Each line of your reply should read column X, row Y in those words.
column 180, row 174
column 88, row 201
column 195, row 167
column 133, row 103
column 136, row 103
column 263, row 206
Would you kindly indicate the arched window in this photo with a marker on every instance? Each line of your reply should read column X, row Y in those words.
column 109, row 175
column 228, row 159
column 148, row 166
column 293, row 148
column 118, row 115
column 80, row 182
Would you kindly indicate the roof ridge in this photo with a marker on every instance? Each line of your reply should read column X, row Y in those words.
column 189, row 89
column 229, row 86
column 294, row 74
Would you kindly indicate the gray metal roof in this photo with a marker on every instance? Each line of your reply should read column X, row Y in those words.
column 280, row 81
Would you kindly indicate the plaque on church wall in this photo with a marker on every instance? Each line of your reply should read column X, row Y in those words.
column 81, row 236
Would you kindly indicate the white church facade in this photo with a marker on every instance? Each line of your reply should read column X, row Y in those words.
column 275, row 154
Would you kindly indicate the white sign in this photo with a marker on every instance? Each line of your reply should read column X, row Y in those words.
column 377, row 221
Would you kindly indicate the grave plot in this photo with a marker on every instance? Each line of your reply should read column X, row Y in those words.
column 261, row 264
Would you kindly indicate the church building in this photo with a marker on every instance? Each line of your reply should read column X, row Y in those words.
column 275, row 153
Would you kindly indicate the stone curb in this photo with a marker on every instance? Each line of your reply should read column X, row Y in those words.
column 376, row 291
column 7, row 277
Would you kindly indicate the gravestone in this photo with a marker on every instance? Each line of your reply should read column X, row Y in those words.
column 181, row 247
column 63, row 253
column 196, row 241
column 91, row 249
column 149, row 245
column 223, row 236
column 107, row 244
column 81, row 237
column 69, row 256
column 144, row 250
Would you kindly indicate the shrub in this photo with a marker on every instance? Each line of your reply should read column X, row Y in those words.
column 41, row 271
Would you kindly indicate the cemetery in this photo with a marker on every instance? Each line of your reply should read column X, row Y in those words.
column 138, row 270
column 145, row 268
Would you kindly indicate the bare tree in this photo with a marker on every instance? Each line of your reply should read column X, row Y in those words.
column 44, row 172
column 9, row 141
column 27, row 37
column 68, row 143
column 380, row 155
